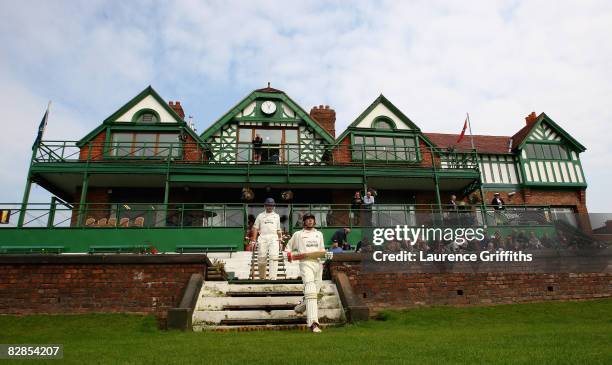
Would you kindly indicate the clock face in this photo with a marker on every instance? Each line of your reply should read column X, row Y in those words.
column 268, row 107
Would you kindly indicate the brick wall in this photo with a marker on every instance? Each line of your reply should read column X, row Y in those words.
column 97, row 148
column 147, row 284
column 342, row 153
column 427, row 156
column 192, row 151
column 396, row 290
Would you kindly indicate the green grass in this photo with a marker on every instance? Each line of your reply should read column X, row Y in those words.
column 542, row 333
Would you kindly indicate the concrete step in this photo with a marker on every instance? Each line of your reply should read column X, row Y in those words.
column 263, row 327
column 220, row 288
column 232, row 303
column 275, row 316
column 265, row 281
column 250, row 322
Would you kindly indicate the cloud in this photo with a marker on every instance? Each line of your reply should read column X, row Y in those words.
column 436, row 60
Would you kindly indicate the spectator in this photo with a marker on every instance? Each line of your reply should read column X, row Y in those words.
column 329, row 218
column 546, row 241
column 534, row 242
column 335, row 248
column 451, row 216
column 341, row 238
column 362, row 245
column 521, row 239
column 368, row 203
column 356, row 206
column 498, row 202
column 257, row 148
column 453, row 203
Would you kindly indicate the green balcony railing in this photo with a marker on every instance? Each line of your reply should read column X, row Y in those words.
column 247, row 154
column 205, row 215
column 65, row 227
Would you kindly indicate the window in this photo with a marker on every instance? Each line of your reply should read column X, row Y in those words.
column 138, row 144
column 168, row 142
column 564, row 214
column 147, row 117
column 384, row 148
column 383, row 123
column 121, row 144
column 542, row 151
column 145, row 144
column 278, row 144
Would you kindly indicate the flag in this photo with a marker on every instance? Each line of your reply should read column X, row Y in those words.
column 465, row 125
column 41, row 127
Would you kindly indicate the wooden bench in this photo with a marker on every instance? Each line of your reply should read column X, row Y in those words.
column 205, row 249
column 31, row 249
column 117, row 249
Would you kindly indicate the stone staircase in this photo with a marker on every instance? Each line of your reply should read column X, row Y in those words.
column 248, row 304
column 281, row 272
column 260, row 304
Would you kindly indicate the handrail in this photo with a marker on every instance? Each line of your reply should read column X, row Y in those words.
column 244, row 153
column 235, row 214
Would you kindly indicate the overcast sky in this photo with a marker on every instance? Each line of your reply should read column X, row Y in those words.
column 499, row 60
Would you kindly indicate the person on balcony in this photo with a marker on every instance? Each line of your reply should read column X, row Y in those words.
column 368, row 204
column 356, row 205
column 498, row 202
column 257, row 148
column 335, row 248
column 498, row 205
column 452, row 205
column 267, row 225
column 341, row 238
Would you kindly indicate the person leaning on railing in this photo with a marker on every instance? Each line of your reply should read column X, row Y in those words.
column 257, row 148
column 356, row 205
column 368, row 203
column 498, row 205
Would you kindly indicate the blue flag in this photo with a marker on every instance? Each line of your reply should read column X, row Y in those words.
column 41, row 127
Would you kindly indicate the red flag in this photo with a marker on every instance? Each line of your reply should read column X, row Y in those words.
column 462, row 132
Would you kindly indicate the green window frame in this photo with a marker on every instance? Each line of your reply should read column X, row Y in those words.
column 385, row 147
column 138, row 144
column 146, row 116
column 547, row 151
column 383, row 123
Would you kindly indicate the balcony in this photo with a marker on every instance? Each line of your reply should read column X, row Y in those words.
column 244, row 154
column 173, row 227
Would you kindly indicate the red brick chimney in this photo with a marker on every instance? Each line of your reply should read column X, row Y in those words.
column 326, row 118
column 178, row 109
column 531, row 118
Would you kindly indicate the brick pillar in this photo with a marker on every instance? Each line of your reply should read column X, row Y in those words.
column 326, row 117
column 178, row 109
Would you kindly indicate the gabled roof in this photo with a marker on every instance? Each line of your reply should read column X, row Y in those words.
column 267, row 93
column 483, row 144
column 143, row 94
column 381, row 99
column 130, row 104
column 520, row 137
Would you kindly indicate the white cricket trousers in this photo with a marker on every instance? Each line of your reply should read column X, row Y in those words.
column 267, row 252
column 312, row 276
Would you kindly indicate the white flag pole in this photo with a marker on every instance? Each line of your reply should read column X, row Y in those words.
column 470, row 127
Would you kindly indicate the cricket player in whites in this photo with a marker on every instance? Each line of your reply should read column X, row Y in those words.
column 308, row 247
column 267, row 224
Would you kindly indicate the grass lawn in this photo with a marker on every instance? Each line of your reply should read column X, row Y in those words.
column 542, row 333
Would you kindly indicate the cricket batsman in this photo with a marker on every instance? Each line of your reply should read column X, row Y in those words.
column 307, row 246
column 267, row 224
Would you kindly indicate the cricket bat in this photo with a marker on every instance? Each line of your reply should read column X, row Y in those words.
column 309, row 256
